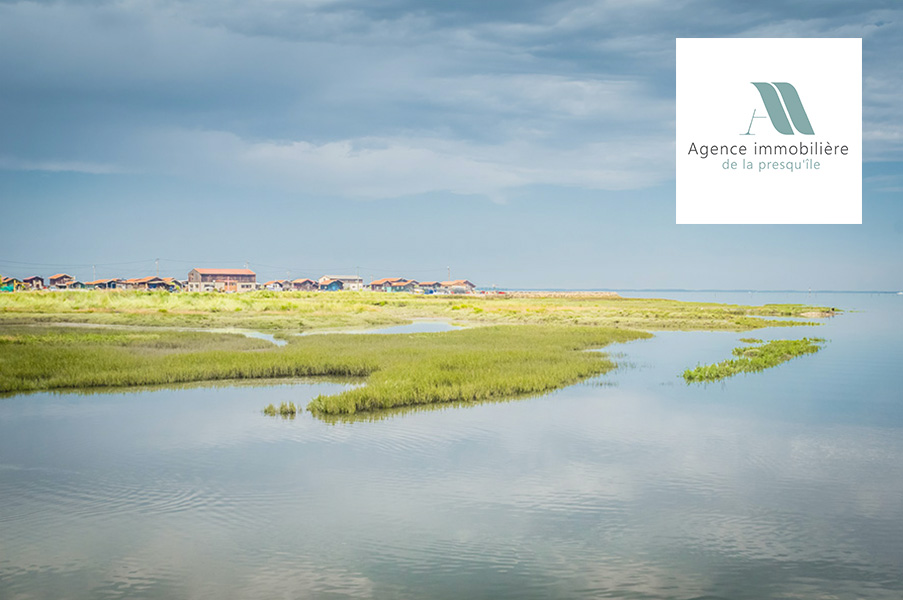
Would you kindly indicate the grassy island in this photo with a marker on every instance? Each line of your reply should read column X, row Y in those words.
column 751, row 359
column 467, row 365
column 512, row 346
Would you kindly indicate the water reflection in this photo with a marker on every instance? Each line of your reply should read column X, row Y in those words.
column 786, row 483
column 400, row 411
column 347, row 382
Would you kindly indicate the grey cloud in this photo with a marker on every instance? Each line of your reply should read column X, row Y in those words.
column 91, row 84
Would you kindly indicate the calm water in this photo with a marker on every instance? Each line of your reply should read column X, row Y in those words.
column 420, row 326
column 783, row 484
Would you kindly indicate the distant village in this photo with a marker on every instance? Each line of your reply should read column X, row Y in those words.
column 238, row 280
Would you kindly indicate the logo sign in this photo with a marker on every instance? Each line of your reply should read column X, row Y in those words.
column 776, row 110
column 749, row 151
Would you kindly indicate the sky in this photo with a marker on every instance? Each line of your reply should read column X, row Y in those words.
column 520, row 144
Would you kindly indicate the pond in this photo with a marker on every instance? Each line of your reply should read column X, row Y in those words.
column 785, row 483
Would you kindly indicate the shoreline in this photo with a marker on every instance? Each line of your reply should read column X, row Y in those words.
column 513, row 345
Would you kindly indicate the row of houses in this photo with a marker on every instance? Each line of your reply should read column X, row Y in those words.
column 399, row 284
column 241, row 280
column 63, row 281
column 332, row 283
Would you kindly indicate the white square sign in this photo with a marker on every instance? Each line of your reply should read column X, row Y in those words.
column 769, row 131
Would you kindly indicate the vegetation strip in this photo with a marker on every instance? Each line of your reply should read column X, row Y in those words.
column 753, row 359
column 523, row 346
column 476, row 364
column 304, row 311
column 287, row 410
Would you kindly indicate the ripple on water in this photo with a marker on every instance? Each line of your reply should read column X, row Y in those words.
column 783, row 484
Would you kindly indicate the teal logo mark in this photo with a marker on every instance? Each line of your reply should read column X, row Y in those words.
column 774, row 107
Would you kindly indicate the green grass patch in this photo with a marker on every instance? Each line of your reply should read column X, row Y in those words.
column 517, row 346
column 476, row 365
column 286, row 410
column 297, row 311
column 753, row 359
column 470, row 365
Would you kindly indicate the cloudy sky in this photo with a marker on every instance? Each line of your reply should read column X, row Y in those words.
column 520, row 143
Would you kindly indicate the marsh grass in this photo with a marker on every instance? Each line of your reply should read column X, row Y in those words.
column 470, row 365
column 389, row 413
column 754, row 359
column 523, row 346
column 301, row 311
column 286, row 410
column 189, row 385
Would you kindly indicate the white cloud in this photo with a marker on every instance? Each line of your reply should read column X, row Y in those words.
column 386, row 167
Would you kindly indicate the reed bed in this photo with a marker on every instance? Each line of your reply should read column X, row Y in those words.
column 401, row 370
column 301, row 311
column 523, row 345
column 751, row 359
column 477, row 365
column 286, row 410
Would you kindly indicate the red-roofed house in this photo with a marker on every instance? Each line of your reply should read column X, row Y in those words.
column 403, row 285
column 11, row 283
column 103, row 284
column 331, row 285
column 34, row 282
column 172, row 284
column 60, row 280
column 383, row 285
column 222, row 280
column 458, row 286
column 144, row 283
column 278, row 285
column 305, row 285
